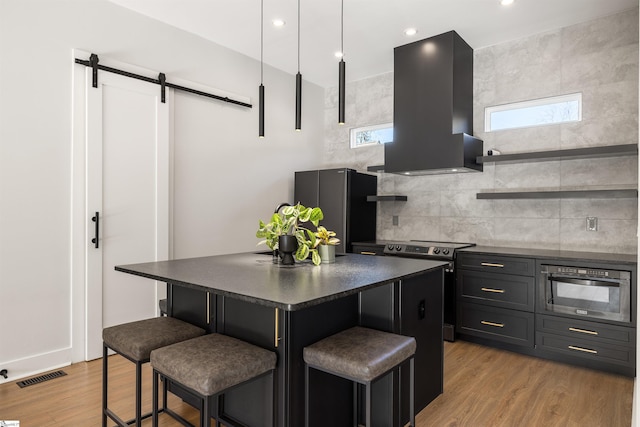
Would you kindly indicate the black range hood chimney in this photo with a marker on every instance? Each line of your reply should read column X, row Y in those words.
column 433, row 108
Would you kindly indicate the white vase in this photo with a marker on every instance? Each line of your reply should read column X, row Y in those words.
column 327, row 253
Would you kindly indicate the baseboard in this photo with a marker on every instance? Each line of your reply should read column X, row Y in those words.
column 34, row 365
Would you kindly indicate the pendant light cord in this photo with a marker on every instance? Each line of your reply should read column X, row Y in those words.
column 342, row 28
column 261, row 41
column 298, row 35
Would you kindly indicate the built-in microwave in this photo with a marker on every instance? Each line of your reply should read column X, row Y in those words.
column 588, row 292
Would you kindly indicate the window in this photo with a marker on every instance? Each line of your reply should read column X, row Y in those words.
column 536, row 112
column 371, row 135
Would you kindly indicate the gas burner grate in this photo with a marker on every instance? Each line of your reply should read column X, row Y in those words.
column 41, row 378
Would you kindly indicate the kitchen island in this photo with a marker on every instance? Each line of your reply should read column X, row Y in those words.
column 285, row 308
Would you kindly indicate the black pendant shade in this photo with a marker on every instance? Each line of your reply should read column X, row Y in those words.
column 261, row 111
column 298, row 101
column 261, row 88
column 341, row 90
column 341, row 70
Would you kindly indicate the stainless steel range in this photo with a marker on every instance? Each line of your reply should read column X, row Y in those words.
column 445, row 251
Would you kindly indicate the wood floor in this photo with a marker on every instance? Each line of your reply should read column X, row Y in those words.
column 483, row 387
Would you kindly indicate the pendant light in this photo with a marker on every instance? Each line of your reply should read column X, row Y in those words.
column 298, row 82
column 261, row 88
column 341, row 70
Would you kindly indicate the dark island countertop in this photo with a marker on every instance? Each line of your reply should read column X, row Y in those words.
column 253, row 277
column 630, row 259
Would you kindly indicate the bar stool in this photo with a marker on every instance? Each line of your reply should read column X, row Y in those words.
column 361, row 355
column 135, row 341
column 162, row 304
column 208, row 366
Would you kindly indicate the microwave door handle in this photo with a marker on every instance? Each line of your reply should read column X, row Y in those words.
column 585, row 282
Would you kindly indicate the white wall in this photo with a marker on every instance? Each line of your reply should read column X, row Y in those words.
column 225, row 177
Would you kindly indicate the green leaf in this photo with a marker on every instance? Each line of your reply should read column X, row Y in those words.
column 316, row 216
column 302, row 253
column 305, row 214
column 316, row 257
column 312, row 238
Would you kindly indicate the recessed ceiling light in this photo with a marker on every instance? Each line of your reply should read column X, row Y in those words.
column 410, row 32
column 506, row 2
column 338, row 54
column 278, row 23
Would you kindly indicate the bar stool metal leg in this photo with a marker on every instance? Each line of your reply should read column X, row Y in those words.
column 138, row 394
column 355, row 404
column 154, row 410
column 306, row 395
column 367, row 421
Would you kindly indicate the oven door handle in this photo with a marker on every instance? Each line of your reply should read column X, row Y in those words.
column 584, row 282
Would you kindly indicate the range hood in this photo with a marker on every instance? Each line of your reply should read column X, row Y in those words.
column 433, row 108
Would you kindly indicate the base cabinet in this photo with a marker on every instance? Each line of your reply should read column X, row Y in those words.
column 509, row 326
column 585, row 343
column 496, row 298
column 497, row 306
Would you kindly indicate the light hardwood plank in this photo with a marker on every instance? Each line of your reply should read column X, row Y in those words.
column 483, row 387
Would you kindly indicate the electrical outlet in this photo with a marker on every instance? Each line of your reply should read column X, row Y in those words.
column 395, row 219
column 592, row 223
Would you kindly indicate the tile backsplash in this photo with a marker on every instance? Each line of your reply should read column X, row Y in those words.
column 597, row 58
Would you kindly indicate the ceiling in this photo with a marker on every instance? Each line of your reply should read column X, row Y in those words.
column 372, row 28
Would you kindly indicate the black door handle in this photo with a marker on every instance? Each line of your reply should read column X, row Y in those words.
column 422, row 309
column 96, row 219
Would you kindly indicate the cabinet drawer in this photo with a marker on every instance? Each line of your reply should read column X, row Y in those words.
column 500, row 290
column 586, row 350
column 586, row 330
column 368, row 249
column 510, row 326
column 496, row 264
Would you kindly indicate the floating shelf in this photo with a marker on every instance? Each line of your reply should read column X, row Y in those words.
column 570, row 154
column 375, row 168
column 386, row 198
column 562, row 194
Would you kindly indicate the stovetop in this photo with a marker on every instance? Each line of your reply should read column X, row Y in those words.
column 424, row 248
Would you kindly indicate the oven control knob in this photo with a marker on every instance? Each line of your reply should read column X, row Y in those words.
column 445, row 251
column 391, row 247
column 436, row 250
column 398, row 247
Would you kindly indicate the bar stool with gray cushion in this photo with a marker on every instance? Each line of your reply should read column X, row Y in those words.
column 135, row 341
column 361, row 355
column 208, row 366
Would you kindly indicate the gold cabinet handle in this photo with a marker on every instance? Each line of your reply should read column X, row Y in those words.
column 495, row 291
column 497, row 325
column 277, row 331
column 208, row 308
column 491, row 264
column 583, row 331
column 584, row 350
column 367, row 253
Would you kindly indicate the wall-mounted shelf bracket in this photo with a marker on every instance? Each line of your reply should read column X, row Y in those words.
column 388, row 198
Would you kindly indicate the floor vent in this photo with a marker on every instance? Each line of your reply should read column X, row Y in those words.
column 41, row 378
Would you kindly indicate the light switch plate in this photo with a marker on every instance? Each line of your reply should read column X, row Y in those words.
column 395, row 219
column 592, row 223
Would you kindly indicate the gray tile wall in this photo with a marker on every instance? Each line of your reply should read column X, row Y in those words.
column 599, row 59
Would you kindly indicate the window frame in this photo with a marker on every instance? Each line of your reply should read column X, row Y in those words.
column 354, row 131
column 488, row 111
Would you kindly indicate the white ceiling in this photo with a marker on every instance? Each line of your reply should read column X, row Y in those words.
column 372, row 28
